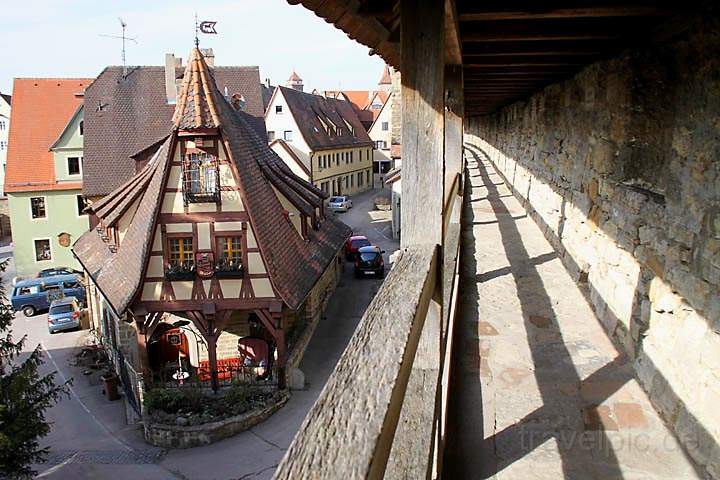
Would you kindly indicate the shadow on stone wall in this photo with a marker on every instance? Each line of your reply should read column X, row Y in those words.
column 700, row 445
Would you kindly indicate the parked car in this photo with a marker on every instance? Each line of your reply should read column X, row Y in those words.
column 369, row 261
column 340, row 203
column 51, row 272
column 353, row 243
column 31, row 296
column 64, row 314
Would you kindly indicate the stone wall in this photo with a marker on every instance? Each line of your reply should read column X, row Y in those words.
column 620, row 167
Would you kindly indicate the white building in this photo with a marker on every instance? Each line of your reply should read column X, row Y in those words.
column 321, row 139
column 5, row 106
column 381, row 132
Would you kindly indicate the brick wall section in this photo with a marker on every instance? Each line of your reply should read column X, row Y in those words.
column 620, row 166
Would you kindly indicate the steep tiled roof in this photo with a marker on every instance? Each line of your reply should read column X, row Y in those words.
column 42, row 107
column 127, row 114
column 310, row 111
column 294, row 264
column 386, row 78
column 294, row 77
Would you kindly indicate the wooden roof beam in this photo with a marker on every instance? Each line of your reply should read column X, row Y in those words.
column 481, row 11
column 453, row 44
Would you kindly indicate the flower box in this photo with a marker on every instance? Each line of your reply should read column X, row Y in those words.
column 180, row 272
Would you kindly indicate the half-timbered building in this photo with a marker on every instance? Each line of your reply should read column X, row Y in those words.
column 215, row 238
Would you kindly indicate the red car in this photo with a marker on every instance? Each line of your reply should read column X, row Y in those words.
column 353, row 244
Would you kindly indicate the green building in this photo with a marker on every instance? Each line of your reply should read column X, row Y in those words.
column 43, row 180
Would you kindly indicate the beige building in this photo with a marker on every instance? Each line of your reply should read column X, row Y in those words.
column 321, row 139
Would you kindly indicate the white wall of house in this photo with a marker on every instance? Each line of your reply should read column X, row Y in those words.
column 380, row 133
column 279, row 120
column 4, row 131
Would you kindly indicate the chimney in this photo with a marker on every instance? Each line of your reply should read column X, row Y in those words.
column 267, row 82
column 170, row 88
column 209, row 56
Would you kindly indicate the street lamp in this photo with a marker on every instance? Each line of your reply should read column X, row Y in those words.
column 182, row 324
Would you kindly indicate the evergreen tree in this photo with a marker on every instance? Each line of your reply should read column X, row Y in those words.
column 24, row 397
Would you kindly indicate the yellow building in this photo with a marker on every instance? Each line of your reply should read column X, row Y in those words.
column 321, row 139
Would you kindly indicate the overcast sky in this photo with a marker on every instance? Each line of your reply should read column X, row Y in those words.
column 61, row 38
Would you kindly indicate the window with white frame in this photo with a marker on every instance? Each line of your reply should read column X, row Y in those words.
column 385, row 126
column 42, row 250
column 37, row 207
column 271, row 135
column 287, row 135
column 3, row 145
column 278, row 109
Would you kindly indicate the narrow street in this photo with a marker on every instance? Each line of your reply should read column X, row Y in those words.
column 90, row 439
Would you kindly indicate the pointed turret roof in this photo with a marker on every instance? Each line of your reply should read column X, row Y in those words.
column 197, row 105
column 294, row 77
column 386, row 78
column 294, row 263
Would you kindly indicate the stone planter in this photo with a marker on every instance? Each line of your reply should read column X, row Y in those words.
column 175, row 436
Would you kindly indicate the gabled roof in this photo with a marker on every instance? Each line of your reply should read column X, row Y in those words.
column 126, row 114
column 310, row 111
column 69, row 124
column 294, row 264
column 383, row 97
column 42, row 107
column 294, row 77
column 7, row 98
column 301, row 158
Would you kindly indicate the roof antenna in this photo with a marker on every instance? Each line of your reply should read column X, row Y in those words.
column 123, row 25
column 197, row 29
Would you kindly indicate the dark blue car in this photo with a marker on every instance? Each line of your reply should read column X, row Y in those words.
column 34, row 295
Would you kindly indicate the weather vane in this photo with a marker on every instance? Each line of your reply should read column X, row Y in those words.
column 203, row 27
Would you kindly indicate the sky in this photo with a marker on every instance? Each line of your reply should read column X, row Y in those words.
column 62, row 38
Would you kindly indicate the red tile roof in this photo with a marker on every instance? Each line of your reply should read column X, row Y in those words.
column 42, row 107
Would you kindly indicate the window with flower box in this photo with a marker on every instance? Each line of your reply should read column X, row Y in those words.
column 181, row 258
column 229, row 261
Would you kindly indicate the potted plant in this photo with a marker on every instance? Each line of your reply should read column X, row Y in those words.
column 228, row 268
column 180, row 271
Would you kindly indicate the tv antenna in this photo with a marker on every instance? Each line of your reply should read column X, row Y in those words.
column 123, row 25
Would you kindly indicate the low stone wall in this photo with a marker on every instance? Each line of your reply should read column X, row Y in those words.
column 174, row 436
column 619, row 168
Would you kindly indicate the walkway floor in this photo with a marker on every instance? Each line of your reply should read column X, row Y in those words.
column 541, row 392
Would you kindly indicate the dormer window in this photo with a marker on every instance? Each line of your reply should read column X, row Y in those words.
column 201, row 181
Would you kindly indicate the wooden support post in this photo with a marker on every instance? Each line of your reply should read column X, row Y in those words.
column 282, row 357
column 212, row 361
column 414, row 449
column 423, row 49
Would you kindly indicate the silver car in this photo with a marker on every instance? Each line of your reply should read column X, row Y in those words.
column 64, row 314
column 340, row 203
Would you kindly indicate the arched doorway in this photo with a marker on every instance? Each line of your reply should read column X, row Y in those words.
column 167, row 349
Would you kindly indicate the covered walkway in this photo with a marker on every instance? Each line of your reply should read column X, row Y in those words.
column 540, row 392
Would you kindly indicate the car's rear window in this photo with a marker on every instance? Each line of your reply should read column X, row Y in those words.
column 336, row 199
column 360, row 243
column 368, row 256
column 60, row 309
